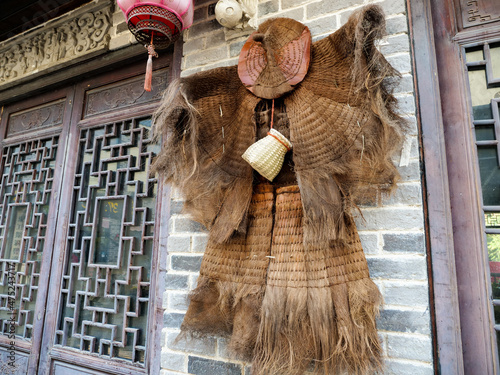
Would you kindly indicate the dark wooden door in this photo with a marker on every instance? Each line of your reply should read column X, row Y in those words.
column 34, row 137
column 81, row 227
column 466, row 35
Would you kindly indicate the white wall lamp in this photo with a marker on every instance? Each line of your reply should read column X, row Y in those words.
column 236, row 14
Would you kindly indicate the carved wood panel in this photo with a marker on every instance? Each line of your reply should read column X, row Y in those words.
column 56, row 46
column 130, row 92
column 477, row 12
column 105, row 293
column 19, row 367
column 43, row 116
column 27, row 171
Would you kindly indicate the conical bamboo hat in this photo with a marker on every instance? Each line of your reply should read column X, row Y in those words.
column 275, row 58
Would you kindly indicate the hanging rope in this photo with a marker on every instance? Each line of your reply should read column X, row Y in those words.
column 271, row 126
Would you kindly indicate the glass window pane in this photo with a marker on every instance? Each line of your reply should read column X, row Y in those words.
column 495, row 59
column 106, row 248
column 482, row 112
column 14, row 246
column 493, row 241
column 485, row 133
column 481, row 95
column 496, row 309
column 490, row 175
column 474, row 54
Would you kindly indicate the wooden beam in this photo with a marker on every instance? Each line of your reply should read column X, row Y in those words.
column 75, row 73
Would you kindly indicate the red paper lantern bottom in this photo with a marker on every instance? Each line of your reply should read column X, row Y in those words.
column 154, row 24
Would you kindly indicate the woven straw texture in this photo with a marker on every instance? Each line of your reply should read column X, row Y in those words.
column 284, row 275
column 267, row 155
column 275, row 58
column 283, row 303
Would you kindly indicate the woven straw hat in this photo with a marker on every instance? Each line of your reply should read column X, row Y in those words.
column 275, row 57
column 266, row 156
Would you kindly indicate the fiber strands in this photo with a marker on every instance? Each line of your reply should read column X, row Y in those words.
column 284, row 276
column 283, row 303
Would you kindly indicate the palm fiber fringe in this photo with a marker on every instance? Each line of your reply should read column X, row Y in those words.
column 284, row 304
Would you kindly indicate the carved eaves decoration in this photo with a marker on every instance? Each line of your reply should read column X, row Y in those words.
column 72, row 38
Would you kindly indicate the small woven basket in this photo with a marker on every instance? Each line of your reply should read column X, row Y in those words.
column 266, row 156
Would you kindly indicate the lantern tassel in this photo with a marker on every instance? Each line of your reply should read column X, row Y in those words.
column 149, row 74
column 149, row 66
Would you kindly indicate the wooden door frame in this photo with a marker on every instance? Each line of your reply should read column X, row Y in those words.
column 72, row 74
column 438, row 223
column 459, row 286
column 39, row 314
column 158, row 268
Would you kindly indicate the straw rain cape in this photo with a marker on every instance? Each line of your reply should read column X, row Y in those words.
column 284, row 276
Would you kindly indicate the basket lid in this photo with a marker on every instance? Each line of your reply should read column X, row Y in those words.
column 275, row 58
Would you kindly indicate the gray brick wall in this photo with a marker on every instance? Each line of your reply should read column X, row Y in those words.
column 120, row 35
column 392, row 229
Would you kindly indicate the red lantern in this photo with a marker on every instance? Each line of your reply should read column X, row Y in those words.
column 156, row 24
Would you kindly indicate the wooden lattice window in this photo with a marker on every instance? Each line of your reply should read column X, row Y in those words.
column 80, row 229
column 106, row 282
column 483, row 68
column 27, row 171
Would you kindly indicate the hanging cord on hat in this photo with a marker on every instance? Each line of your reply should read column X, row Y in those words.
column 149, row 65
column 271, row 126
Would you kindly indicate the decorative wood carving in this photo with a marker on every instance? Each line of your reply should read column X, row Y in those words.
column 477, row 12
column 53, row 46
column 40, row 117
column 132, row 91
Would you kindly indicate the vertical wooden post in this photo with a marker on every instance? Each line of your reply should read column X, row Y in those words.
column 439, row 229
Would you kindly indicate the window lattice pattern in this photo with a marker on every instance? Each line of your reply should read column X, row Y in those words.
column 483, row 70
column 105, row 286
column 27, row 177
